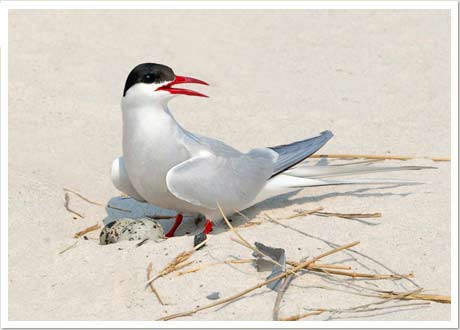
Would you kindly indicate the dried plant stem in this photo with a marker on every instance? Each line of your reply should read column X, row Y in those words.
column 178, row 262
column 325, row 254
column 149, row 272
column 398, row 296
column 69, row 247
column 301, row 316
column 273, row 279
column 315, row 265
column 87, row 230
column 350, row 215
column 92, row 202
column 418, row 296
column 436, row 159
column 66, row 205
column 326, row 266
column 335, row 214
column 304, row 213
column 364, row 275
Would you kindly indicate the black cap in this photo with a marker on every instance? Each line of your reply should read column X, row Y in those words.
column 149, row 73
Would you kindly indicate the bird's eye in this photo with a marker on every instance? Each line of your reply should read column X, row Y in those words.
column 149, row 78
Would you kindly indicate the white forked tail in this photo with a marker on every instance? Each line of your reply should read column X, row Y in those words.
column 311, row 176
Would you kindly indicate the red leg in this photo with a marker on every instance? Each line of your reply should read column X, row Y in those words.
column 208, row 226
column 177, row 223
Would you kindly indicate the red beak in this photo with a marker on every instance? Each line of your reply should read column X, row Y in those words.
column 183, row 80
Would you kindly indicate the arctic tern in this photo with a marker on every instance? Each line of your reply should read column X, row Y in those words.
column 168, row 166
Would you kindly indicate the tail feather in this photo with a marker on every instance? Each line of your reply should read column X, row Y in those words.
column 331, row 171
column 314, row 176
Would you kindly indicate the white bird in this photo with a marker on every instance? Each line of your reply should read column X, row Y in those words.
column 167, row 166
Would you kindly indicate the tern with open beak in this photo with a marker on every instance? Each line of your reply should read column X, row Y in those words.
column 168, row 166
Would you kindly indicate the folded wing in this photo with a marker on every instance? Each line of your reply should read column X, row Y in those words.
column 230, row 180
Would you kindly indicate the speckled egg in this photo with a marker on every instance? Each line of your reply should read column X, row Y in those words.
column 131, row 230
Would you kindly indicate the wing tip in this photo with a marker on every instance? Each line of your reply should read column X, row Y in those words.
column 327, row 134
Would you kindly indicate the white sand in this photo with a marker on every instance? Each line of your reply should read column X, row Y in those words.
column 380, row 80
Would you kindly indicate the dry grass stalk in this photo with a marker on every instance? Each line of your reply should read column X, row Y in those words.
column 179, row 262
column 304, row 213
column 69, row 247
column 326, row 266
column 389, row 157
column 334, row 214
column 398, row 296
column 364, row 275
column 93, row 202
column 350, row 215
column 331, row 270
column 301, row 316
column 87, row 230
column 273, row 279
column 418, row 296
column 149, row 272
column 66, row 205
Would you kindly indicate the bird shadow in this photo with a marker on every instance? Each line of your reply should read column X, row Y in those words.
column 126, row 207
column 287, row 199
column 120, row 207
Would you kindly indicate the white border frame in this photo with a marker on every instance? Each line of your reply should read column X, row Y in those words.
column 5, row 6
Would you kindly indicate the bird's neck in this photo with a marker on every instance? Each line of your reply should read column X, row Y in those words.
column 140, row 113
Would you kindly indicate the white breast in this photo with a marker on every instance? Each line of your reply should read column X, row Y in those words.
column 151, row 147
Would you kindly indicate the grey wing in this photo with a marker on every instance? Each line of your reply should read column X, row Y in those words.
column 230, row 180
column 294, row 153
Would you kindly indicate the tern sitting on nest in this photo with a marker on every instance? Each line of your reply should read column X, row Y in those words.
column 166, row 165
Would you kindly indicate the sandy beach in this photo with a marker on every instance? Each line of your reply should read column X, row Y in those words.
column 379, row 80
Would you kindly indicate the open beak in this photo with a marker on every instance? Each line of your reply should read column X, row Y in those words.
column 183, row 80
